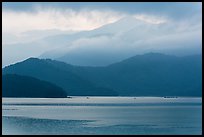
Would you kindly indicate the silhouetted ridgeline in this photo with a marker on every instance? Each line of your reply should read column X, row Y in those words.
column 151, row 74
column 70, row 82
column 23, row 86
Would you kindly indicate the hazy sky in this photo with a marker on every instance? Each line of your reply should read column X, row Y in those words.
column 24, row 22
column 89, row 15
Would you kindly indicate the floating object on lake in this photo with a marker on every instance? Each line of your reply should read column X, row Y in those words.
column 170, row 97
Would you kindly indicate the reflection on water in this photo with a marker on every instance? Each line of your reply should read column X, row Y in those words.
column 102, row 115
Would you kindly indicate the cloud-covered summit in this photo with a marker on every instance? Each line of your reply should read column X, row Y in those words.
column 99, row 31
column 125, row 38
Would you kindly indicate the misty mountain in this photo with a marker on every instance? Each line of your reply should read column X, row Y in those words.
column 107, row 44
column 23, row 86
column 123, row 39
column 151, row 74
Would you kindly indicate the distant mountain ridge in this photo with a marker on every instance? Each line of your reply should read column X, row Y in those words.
column 151, row 74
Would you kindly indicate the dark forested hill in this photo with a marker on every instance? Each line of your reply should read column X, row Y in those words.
column 23, row 86
column 151, row 74
column 57, row 74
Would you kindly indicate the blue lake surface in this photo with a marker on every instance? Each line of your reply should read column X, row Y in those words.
column 102, row 116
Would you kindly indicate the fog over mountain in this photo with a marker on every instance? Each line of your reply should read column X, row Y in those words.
column 99, row 36
column 125, row 38
column 114, row 42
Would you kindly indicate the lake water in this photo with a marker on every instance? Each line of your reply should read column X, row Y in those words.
column 102, row 116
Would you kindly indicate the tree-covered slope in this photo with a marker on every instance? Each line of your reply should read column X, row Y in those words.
column 47, row 71
column 23, row 86
column 151, row 74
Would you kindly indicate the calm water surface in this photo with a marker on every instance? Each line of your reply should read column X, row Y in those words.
column 102, row 115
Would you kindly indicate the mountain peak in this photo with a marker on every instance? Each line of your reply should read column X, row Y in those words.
column 124, row 24
column 32, row 59
column 154, row 54
column 127, row 19
column 130, row 20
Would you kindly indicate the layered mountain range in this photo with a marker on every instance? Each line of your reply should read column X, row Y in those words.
column 107, row 44
column 151, row 74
